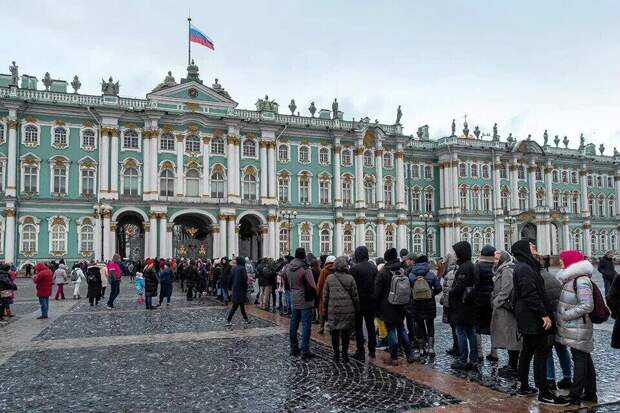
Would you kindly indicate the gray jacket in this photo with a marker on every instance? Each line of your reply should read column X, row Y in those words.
column 574, row 324
column 340, row 301
column 504, row 332
column 296, row 270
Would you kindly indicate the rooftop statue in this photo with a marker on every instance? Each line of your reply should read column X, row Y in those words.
column 335, row 109
column 14, row 74
column 556, row 140
column 495, row 134
column 399, row 115
column 565, row 142
column 465, row 128
column 76, row 84
column 601, row 148
column 510, row 139
column 477, row 132
column 312, row 109
column 529, row 137
column 109, row 87
column 266, row 105
column 545, row 138
column 292, row 107
column 169, row 80
column 217, row 87
column 453, row 127
column 616, row 153
column 47, row 80
column 582, row 141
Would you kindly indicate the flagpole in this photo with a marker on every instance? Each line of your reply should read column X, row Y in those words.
column 189, row 43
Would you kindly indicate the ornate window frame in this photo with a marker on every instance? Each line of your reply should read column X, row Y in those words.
column 138, row 132
column 284, row 175
column 3, row 131
column 304, row 174
column 288, row 152
column 326, row 226
column 218, row 168
column 299, row 149
column 130, row 163
column 58, row 161
column 250, row 171
column 186, row 141
column 305, row 228
column 51, row 223
column 87, row 164
column 193, row 166
column 35, row 222
column 218, row 140
column 325, row 177
column 390, row 163
column 169, row 134
column 53, row 130
column 84, row 147
column 246, row 141
column 82, row 223
column 324, row 150
column 25, row 126
column 166, row 165
column 349, row 156
column 30, row 159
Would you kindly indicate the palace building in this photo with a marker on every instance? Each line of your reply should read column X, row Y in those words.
column 184, row 172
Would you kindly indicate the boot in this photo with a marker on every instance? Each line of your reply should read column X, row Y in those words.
column 421, row 346
column 430, row 349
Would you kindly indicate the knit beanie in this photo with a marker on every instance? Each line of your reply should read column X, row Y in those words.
column 570, row 257
column 390, row 255
column 300, row 253
column 487, row 251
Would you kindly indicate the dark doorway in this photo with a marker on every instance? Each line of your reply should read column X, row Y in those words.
column 130, row 237
column 192, row 237
column 250, row 238
column 528, row 231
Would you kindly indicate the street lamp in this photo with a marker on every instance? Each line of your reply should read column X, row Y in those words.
column 510, row 220
column 99, row 211
column 427, row 216
column 288, row 215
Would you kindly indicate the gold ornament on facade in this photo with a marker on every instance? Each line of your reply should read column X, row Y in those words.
column 369, row 139
column 182, row 250
column 218, row 133
column 87, row 221
column 583, row 172
column 218, row 168
column 337, row 149
column 131, row 163
column 11, row 124
column 193, row 129
column 153, row 215
column 28, row 220
column 249, row 170
column 206, row 139
column 87, row 124
column 167, row 165
column 180, row 137
column 58, row 221
column 59, row 162
column 250, row 135
column 202, row 250
column 192, row 231
column 30, row 119
column 30, row 160
column 112, row 227
column 59, row 122
column 360, row 220
column 167, row 128
column 193, row 165
column 263, row 144
column 348, row 227
column 339, row 220
column 192, row 106
column 305, row 226
column 9, row 212
column 399, row 155
column 359, row 151
column 380, row 221
column 130, row 125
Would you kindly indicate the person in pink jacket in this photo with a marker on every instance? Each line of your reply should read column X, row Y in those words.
column 114, row 278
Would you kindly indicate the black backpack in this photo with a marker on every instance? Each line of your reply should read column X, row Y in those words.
column 93, row 275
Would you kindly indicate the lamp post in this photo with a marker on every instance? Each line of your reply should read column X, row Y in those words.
column 510, row 221
column 427, row 216
column 409, row 195
column 289, row 215
column 99, row 211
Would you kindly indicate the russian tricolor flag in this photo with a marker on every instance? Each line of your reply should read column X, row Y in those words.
column 199, row 37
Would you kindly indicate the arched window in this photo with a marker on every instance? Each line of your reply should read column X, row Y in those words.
column 475, row 198
column 304, row 154
column 505, row 195
column 486, row 199
column 521, row 173
column 575, row 203
column 565, row 200
column 603, row 242
column 217, row 146
column 347, row 241
column 369, row 192
column 389, row 238
column 283, row 153
column 485, row 171
column 88, row 181
column 611, row 207
column 369, row 240
column 474, row 170
column 217, row 184
column 249, row 148
column 431, row 244
column 591, row 204
column 368, row 158
column 58, row 238
column 565, row 177
column 594, row 242
column 462, row 170
column 347, row 192
column 601, row 206
column 476, row 243
column 417, row 241
column 428, row 172
column 540, row 198
column 88, row 138
column 388, row 191
column 31, row 174
column 31, row 135
column 192, row 144
column 573, row 177
column 324, row 191
column 59, row 173
column 415, row 171
column 130, row 139
column 346, row 157
column 326, row 242
column 465, row 234
column 305, row 239
column 577, row 240
column 29, row 238
column 612, row 240
column 523, row 199
column 131, row 182
column 428, row 200
column 283, row 188
column 324, row 156
column 539, row 174
column 166, row 142
column 488, row 237
column 283, row 238
column 304, row 189
column 192, row 183
column 463, row 197
column 87, row 237
column 249, row 186
column 60, row 137
column 166, row 183
column 555, row 177
column 387, row 160
column 503, row 174
column 416, row 201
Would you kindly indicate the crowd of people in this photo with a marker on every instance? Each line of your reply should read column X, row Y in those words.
column 390, row 302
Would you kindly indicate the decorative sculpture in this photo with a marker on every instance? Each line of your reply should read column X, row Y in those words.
column 76, row 84
column 292, row 107
column 582, row 142
column 556, row 140
column 529, row 137
column 510, row 139
column 545, row 138
column 399, row 114
column 495, row 134
column 453, row 127
column 601, row 148
column 335, row 109
column 477, row 132
column 47, row 80
column 109, row 87
column 170, row 81
column 565, row 141
column 266, row 105
column 312, row 109
column 14, row 74
column 465, row 128
column 616, row 153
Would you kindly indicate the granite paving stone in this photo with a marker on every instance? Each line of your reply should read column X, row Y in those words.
column 246, row 374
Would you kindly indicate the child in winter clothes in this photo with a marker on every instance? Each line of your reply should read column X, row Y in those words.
column 77, row 272
column 139, row 283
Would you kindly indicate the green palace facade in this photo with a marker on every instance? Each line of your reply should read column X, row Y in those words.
column 185, row 172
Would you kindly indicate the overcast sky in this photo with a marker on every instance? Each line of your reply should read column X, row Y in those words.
column 527, row 65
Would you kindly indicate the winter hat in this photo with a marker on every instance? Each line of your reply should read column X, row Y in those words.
column 487, row 251
column 300, row 253
column 390, row 255
column 404, row 252
column 341, row 264
column 420, row 259
column 412, row 256
column 330, row 258
column 570, row 257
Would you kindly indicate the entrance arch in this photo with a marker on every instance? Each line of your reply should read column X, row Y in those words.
column 250, row 237
column 528, row 231
column 192, row 236
column 130, row 236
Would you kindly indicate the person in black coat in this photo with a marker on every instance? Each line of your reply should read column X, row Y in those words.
column 533, row 313
column 613, row 302
column 463, row 307
column 151, row 281
column 239, row 280
column 191, row 279
column 484, row 290
column 392, row 315
column 364, row 273
column 607, row 269
column 225, row 280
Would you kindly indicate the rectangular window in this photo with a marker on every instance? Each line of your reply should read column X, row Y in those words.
column 346, row 193
column 88, row 182
column 306, row 241
column 1, row 176
column 304, row 190
column 166, row 142
column 415, row 171
column 283, row 189
column 60, row 181
column 30, row 179
column 324, row 192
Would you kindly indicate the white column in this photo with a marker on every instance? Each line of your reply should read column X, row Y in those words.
column 11, row 185
column 442, row 186
column 9, row 235
column 112, row 240
column 217, row 243
column 514, row 187
column 360, row 229
column 337, row 180
column 266, row 240
column 273, row 229
column 146, row 162
column 587, row 239
column 223, row 235
column 380, row 237
column 97, row 236
column 153, row 234
column 163, row 236
column 154, row 169
column 454, row 183
column 499, row 232
column 206, row 168
column 549, row 186
column 565, row 235
column 617, row 187
column 237, row 169
column 532, row 185
column 180, row 167
column 272, row 188
column 231, row 175
column 104, row 151
column 401, row 234
column 232, row 236
column 107, row 242
column 400, row 177
column 360, row 200
column 338, row 237
column 264, row 169
column 379, row 174
column 583, row 180
column 114, row 166
column 497, row 192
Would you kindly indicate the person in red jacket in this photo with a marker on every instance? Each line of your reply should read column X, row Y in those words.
column 43, row 281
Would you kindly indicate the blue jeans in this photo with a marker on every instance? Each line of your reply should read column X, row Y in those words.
column 394, row 333
column 45, row 305
column 565, row 362
column 115, row 289
column 225, row 295
column 305, row 316
column 465, row 334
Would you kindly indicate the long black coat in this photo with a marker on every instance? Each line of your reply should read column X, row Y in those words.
column 151, row 281
column 484, row 290
column 191, row 276
column 613, row 302
column 94, row 284
column 239, row 284
column 463, row 313
column 531, row 303
column 606, row 267
column 389, row 313
column 364, row 274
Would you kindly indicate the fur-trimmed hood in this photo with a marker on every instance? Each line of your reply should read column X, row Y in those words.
column 575, row 270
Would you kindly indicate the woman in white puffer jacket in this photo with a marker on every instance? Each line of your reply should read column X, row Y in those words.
column 574, row 325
